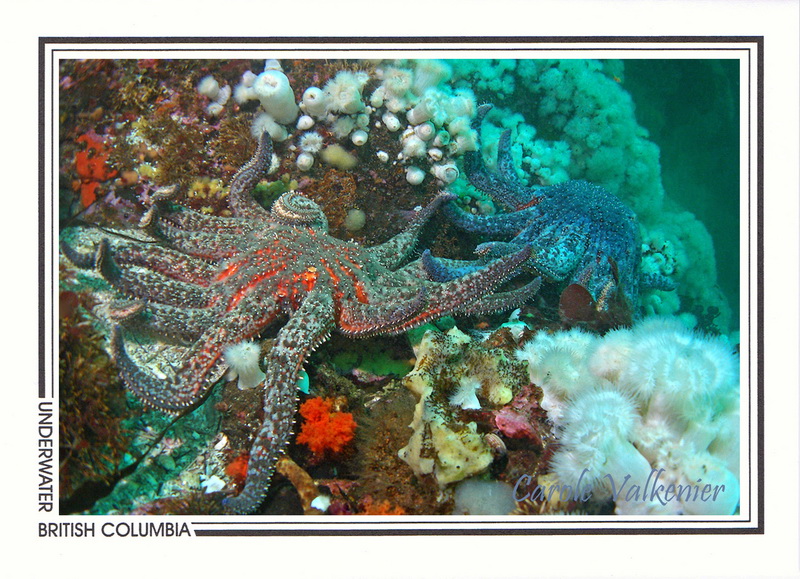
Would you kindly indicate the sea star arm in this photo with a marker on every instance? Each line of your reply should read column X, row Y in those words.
column 166, row 261
column 175, row 323
column 656, row 281
column 167, row 394
column 558, row 252
column 361, row 320
column 163, row 220
column 240, row 200
column 148, row 284
column 501, row 301
column 192, row 221
column 310, row 325
column 203, row 245
column 442, row 269
column 505, row 163
column 506, row 188
column 445, row 298
column 81, row 259
column 395, row 251
column 501, row 224
column 203, row 363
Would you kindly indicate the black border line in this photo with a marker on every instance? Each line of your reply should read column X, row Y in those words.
column 433, row 40
column 41, row 224
column 432, row 49
column 445, row 531
column 435, row 45
column 760, row 394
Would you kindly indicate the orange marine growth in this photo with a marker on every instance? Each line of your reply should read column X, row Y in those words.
column 237, row 469
column 324, row 431
column 91, row 166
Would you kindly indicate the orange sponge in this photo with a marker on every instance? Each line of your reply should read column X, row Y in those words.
column 91, row 164
column 324, row 431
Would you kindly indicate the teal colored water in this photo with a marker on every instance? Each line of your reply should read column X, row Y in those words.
column 691, row 108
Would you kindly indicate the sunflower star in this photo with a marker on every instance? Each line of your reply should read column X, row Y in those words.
column 578, row 230
column 212, row 282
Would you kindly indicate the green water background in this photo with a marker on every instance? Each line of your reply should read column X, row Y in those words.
column 691, row 108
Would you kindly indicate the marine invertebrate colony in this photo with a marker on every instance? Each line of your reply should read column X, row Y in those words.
column 214, row 282
column 91, row 165
column 325, row 431
column 657, row 404
column 578, row 230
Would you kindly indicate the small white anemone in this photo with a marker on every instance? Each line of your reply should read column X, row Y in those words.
column 209, row 87
column 420, row 113
column 425, row 131
column 214, row 109
column 305, row 122
column 359, row 138
column 464, row 143
column 264, row 122
column 465, row 395
column 311, row 142
column 377, row 97
column 429, row 73
column 343, row 92
column 212, row 484
column 243, row 94
column 413, row 146
column 435, row 154
column 244, row 90
column 446, row 173
column 391, row 121
column 248, row 78
column 314, row 102
column 343, row 126
column 305, row 161
column 415, row 175
column 397, row 81
column 321, row 503
column 243, row 360
column 275, row 93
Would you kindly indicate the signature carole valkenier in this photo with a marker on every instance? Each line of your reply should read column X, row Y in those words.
column 621, row 490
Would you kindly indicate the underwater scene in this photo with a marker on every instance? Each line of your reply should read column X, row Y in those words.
column 388, row 287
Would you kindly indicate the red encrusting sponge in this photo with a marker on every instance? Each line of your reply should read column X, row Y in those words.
column 325, row 431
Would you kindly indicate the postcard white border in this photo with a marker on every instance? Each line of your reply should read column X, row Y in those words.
column 774, row 553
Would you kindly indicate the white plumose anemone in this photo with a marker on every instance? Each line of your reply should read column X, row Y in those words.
column 465, row 395
column 415, row 175
column 343, row 92
column 243, row 359
column 655, row 396
column 273, row 91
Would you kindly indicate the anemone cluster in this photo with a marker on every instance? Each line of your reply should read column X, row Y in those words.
column 430, row 120
column 655, row 399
